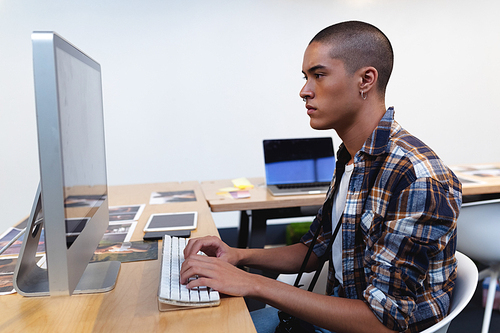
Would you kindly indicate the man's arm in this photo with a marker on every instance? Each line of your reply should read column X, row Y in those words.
column 287, row 259
column 333, row 313
column 218, row 272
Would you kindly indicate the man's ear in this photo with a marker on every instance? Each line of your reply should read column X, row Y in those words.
column 368, row 78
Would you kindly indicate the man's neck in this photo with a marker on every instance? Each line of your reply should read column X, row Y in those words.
column 355, row 135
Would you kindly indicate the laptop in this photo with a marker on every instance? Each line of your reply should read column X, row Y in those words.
column 299, row 166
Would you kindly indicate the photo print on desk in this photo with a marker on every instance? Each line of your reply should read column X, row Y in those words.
column 490, row 172
column 468, row 181
column 158, row 198
column 480, row 170
column 125, row 213
column 15, row 248
column 7, row 267
column 126, row 251
column 118, row 232
column 73, row 201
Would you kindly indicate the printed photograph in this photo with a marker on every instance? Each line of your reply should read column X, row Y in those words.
column 158, row 198
column 15, row 248
column 125, row 213
column 119, row 232
column 126, row 251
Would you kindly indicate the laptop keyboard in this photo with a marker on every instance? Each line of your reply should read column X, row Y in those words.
column 304, row 185
column 172, row 295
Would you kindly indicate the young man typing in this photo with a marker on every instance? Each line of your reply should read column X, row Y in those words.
column 392, row 262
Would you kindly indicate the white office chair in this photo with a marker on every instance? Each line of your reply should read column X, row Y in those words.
column 465, row 287
column 319, row 287
column 479, row 238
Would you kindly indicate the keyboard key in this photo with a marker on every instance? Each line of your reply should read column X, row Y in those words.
column 194, row 296
column 204, row 296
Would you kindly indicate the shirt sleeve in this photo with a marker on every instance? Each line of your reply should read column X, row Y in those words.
column 409, row 258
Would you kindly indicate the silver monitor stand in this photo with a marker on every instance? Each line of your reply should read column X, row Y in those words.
column 32, row 280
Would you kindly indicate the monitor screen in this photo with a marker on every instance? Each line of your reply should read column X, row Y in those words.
column 72, row 203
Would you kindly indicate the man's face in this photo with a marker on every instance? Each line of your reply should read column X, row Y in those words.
column 332, row 94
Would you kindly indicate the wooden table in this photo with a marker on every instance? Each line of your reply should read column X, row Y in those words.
column 132, row 305
column 263, row 206
column 478, row 179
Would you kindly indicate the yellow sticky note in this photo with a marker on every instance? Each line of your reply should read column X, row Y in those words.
column 242, row 183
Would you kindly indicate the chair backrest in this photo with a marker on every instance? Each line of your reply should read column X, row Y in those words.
column 319, row 288
column 478, row 227
column 465, row 286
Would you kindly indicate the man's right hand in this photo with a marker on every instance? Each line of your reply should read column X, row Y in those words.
column 213, row 247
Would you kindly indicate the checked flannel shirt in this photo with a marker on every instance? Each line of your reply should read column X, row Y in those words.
column 398, row 229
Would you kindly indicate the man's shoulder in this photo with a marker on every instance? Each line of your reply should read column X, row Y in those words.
column 399, row 157
column 412, row 156
column 414, row 153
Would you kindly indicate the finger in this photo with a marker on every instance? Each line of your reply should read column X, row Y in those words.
column 196, row 245
column 192, row 247
column 208, row 245
column 202, row 282
column 196, row 265
column 215, row 284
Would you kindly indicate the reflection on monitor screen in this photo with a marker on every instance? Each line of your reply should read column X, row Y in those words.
column 71, row 203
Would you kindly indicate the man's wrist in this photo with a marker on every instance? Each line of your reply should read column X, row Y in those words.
column 241, row 257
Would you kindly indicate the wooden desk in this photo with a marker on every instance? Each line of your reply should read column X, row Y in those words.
column 264, row 206
column 132, row 305
column 473, row 183
column 260, row 198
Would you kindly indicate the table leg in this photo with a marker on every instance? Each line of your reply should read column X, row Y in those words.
column 258, row 228
column 243, row 230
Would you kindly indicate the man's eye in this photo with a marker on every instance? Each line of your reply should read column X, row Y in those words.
column 317, row 75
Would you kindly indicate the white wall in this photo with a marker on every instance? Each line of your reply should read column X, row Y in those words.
column 191, row 87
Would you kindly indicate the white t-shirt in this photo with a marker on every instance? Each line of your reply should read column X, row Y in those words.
column 338, row 208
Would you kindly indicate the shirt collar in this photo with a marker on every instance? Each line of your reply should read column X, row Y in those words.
column 377, row 142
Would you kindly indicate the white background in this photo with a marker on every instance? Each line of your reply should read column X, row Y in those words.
column 192, row 87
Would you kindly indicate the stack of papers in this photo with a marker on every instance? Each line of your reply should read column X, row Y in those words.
column 240, row 189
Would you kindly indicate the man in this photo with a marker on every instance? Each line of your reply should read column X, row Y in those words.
column 393, row 261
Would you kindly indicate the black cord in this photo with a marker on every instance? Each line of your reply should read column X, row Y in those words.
column 343, row 158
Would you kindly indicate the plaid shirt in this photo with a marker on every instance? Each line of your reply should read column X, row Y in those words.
column 398, row 229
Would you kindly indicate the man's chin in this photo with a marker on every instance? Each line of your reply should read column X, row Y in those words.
column 316, row 126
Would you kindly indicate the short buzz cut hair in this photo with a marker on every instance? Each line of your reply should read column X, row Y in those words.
column 359, row 44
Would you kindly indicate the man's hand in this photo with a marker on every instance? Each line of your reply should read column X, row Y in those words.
column 213, row 247
column 218, row 274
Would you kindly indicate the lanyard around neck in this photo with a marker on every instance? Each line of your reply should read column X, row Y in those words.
column 343, row 157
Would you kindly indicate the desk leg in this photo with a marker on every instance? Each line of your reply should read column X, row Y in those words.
column 259, row 217
column 258, row 228
column 243, row 230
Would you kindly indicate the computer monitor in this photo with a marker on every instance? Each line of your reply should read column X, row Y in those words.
column 71, row 203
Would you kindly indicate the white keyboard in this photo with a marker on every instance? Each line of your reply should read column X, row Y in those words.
column 171, row 294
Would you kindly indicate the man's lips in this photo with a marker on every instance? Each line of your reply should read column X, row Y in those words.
column 310, row 109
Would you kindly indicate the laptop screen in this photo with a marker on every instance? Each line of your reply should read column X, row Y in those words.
column 293, row 161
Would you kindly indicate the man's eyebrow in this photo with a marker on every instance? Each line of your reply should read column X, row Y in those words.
column 315, row 68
